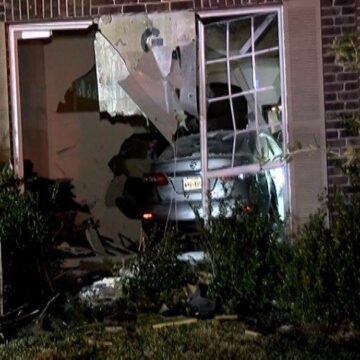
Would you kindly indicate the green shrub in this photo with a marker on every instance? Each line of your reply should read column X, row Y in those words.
column 322, row 277
column 308, row 276
column 158, row 276
column 345, row 228
column 27, row 243
column 243, row 252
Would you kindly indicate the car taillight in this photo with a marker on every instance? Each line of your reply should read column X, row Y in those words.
column 158, row 179
column 148, row 216
column 248, row 208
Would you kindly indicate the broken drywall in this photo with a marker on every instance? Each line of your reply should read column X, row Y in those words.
column 110, row 69
column 146, row 63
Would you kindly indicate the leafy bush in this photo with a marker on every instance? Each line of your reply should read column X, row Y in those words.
column 243, row 252
column 346, row 51
column 27, row 243
column 322, row 278
column 158, row 276
column 309, row 279
column 345, row 229
column 256, row 272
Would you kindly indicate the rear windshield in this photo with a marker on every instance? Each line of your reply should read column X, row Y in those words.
column 219, row 143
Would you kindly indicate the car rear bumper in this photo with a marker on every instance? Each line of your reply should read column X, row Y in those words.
column 185, row 211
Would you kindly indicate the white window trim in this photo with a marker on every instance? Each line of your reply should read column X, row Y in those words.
column 234, row 171
column 15, row 33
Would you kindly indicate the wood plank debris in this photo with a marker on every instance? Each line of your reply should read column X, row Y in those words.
column 175, row 323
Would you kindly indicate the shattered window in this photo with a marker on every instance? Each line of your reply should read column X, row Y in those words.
column 241, row 61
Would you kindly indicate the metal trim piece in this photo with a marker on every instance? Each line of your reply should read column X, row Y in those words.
column 235, row 12
column 203, row 123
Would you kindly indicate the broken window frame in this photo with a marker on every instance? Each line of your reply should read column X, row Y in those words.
column 232, row 171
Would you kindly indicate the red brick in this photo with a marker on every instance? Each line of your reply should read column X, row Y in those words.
column 70, row 7
column 125, row 2
column 353, row 85
column 347, row 10
column 47, row 9
column 86, row 9
column 164, row 6
column 345, row 20
column 334, row 105
column 217, row 3
column 105, row 10
column 327, row 22
column 62, row 8
column 331, row 11
column 102, row 2
column 95, row 10
column 332, row 134
column 336, row 142
column 326, row 3
column 330, row 97
column 339, row 180
column 344, row 2
column 206, row 4
column 182, row 5
column 134, row 8
column 348, row 95
column 355, row 141
column 346, row 76
column 331, row 31
column 334, row 170
column 352, row 105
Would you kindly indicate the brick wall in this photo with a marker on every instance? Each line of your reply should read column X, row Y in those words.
column 2, row 10
column 341, row 86
column 25, row 10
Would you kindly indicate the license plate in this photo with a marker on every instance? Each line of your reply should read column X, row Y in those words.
column 192, row 183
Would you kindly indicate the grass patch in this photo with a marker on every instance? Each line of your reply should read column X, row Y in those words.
column 205, row 339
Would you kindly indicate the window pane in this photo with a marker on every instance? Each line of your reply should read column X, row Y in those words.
column 240, row 37
column 270, row 146
column 217, row 74
column 215, row 41
column 251, row 119
column 265, row 31
column 267, row 69
column 269, row 108
column 244, row 117
column 241, row 72
column 277, row 187
column 219, row 116
column 240, row 112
